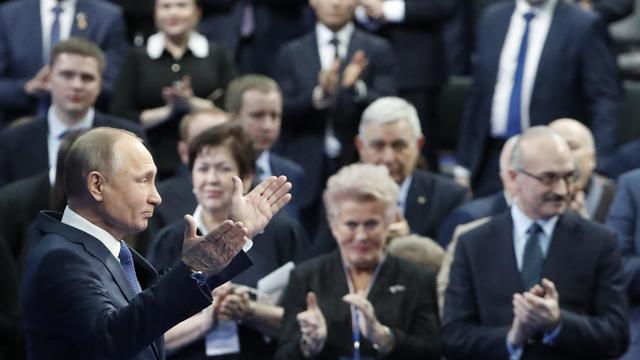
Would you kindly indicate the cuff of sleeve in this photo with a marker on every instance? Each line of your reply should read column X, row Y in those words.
column 319, row 100
column 550, row 338
column 239, row 264
column 393, row 10
column 515, row 353
column 460, row 171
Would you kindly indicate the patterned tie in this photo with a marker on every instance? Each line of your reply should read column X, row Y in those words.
column 532, row 259
column 126, row 261
column 514, row 117
column 55, row 28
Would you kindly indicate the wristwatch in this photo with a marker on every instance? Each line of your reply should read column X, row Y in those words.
column 198, row 277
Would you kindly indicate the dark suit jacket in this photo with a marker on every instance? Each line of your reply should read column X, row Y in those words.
column 599, row 196
column 577, row 77
column 624, row 219
column 276, row 22
column 410, row 313
column 24, row 151
column 21, row 47
column 473, row 210
column 584, row 263
column 303, row 128
column 418, row 44
column 78, row 303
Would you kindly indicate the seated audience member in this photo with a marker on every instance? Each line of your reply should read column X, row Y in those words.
column 327, row 78
column 390, row 135
column 624, row 219
column 118, row 307
column 178, row 71
column 419, row 249
column 593, row 193
column 177, row 191
column 74, row 83
column 538, row 281
column 359, row 301
column 30, row 30
column 216, row 156
column 484, row 206
column 255, row 102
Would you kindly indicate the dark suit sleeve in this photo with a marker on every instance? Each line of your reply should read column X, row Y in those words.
column 75, row 296
column 462, row 335
column 612, row 10
column 448, row 227
column 601, row 87
column 122, row 102
column 115, row 47
column 604, row 333
column 421, row 12
column 622, row 219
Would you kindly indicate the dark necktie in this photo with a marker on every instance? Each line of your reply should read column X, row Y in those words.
column 514, row 116
column 335, row 42
column 532, row 259
column 55, row 28
column 126, row 261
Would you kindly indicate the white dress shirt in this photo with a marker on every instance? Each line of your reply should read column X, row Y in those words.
column 392, row 10
column 538, row 30
column 403, row 193
column 73, row 219
column 263, row 162
column 521, row 225
column 46, row 19
column 56, row 129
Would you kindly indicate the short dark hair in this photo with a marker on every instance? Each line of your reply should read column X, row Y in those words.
column 237, row 88
column 233, row 138
column 79, row 46
column 188, row 119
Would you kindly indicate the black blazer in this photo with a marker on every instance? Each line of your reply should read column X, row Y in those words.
column 584, row 263
column 577, row 77
column 403, row 297
column 303, row 127
column 78, row 304
column 24, row 151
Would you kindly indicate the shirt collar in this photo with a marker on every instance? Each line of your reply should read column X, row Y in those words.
column 57, row 127
column 197, row 44
column 48, row 5
column 521, row 222
column 325, row 35
column 545, row 9
column 75, row 220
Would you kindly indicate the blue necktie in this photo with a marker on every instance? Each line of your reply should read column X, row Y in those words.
column 126, row 261
column 54, row 37
column 532, row 259
column 514, row 116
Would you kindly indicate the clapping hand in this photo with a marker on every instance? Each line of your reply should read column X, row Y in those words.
column 369, row 325
column 313, row 327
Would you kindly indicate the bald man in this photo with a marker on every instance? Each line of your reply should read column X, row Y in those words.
column 537, row 281
column 593, row 193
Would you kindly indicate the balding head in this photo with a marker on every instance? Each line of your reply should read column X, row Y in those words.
column 580, row 141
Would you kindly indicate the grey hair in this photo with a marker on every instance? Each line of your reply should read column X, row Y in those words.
column 362, row 182
column 535, row 132
column 390, row 109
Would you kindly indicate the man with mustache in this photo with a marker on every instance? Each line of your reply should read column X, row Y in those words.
column 537, row 282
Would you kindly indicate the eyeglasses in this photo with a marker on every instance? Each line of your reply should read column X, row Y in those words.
column 550, row 178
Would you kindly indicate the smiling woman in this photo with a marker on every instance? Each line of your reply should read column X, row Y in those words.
column 177, row 71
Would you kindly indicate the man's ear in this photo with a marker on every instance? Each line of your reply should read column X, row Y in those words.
column 420, row 142
column 359, row 143
column 95, row 185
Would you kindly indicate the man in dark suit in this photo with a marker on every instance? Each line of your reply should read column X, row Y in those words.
column 593, row 192
column 255, row 101
column 254, row 30
column 624, row 219
column 327, row 78
column 566, row 69
column 74, row 83
column 537, row 282
column 414, row 29
column 86, row 294
column 26, row 35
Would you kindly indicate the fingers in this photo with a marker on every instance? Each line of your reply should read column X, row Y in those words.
column 276, row 191
column 220, row 230
column 550, row 289
column 312, row 301
column 190, row 230
column 238, row 187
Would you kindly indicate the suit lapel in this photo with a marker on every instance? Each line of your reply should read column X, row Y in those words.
column 312, row 55
column 566, row 236
column 495, row 40
column 503, row 252
column 416, row 206
column 81, row 20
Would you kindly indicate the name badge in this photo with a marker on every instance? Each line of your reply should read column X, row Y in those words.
column 223, row 339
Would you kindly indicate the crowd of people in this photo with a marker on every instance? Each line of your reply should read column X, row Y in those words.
column 262, row 179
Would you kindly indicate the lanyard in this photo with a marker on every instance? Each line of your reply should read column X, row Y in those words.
column 355, row 313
